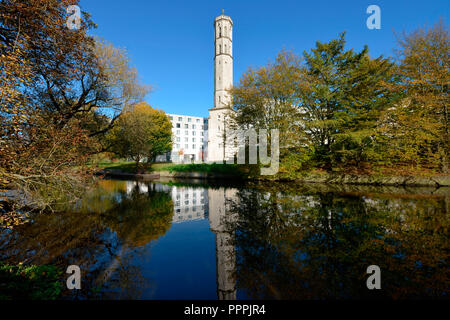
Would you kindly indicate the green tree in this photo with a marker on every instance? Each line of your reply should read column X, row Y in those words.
column 141, row 133
column 342, row 100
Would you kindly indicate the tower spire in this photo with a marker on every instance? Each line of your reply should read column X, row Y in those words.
column 223, row 12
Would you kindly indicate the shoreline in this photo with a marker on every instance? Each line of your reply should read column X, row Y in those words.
column 323, row 178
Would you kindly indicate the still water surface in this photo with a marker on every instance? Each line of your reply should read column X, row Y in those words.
column 139, row 240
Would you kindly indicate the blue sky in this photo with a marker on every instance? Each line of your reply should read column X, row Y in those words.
column 172, row 42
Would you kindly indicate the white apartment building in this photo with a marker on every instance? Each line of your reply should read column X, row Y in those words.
column 190, row 138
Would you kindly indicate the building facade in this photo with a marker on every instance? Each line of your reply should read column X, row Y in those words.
column 197, row 139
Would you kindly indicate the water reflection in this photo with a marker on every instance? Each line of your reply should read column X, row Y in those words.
column 295, row 244
column 276, row 241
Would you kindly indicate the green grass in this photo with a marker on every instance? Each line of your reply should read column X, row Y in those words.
column 226, row 169
column 130, row 166
column 29, row 282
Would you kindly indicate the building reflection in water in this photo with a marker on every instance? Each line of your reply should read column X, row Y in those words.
column 200, row 203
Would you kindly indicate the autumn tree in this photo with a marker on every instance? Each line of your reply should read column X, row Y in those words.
column 267, row 98
column 326, row 107
column 143, row 132
column 60, row 90
column 416, row 130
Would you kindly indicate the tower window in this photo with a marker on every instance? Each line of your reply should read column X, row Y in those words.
column 220, row 48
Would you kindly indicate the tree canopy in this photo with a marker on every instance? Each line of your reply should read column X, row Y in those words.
column 143, row 132
column 341, row 109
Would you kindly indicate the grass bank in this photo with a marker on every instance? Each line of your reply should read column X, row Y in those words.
column 19, row 282
column 226, row 169
column 388, row 176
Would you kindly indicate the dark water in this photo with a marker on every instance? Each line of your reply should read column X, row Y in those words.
column 135, row 240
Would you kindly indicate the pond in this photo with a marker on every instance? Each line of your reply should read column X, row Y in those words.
column 188, row 240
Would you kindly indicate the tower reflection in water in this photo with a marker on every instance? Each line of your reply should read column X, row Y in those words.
column 200, row 203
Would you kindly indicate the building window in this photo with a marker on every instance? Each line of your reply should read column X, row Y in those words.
column 198, row 120
column 186, row 146
column 178, row 125
column 220, row 48
column 186, row 126
column 193, row 126
column 180, row 119
column 193, row 139
column 178, row 131
column 201, row 133
column 189, row 119
column 193, row 133
column 193, row 146
column 178, row 146
column 178, row 139
column 201, row 139
column 186, row 132
column 186, row 139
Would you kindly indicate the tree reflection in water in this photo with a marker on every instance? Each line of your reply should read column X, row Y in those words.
column 277, row 241
column 105, row 231
column 300, row 244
